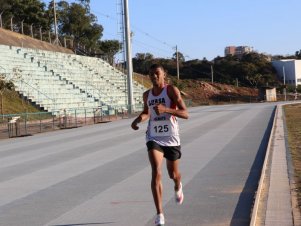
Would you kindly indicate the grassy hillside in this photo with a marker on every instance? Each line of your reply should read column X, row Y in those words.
column 293, row 124
column 12, row 103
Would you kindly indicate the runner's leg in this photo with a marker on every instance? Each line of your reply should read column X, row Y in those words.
column 156, row 159
column 173, row 172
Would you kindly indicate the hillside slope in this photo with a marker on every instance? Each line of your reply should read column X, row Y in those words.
column 200, row 92
column 15, row 39
column 213, row 93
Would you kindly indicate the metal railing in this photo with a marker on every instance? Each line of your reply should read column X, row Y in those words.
column 27, row 124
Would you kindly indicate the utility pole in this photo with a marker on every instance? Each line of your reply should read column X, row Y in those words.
column 177, row 57
column 22, row 28
column 11, row 24
column 284, row 89
column 129, row 63
column 31, row 30
column 56, row 41
column 1, row 19
column 211, row 73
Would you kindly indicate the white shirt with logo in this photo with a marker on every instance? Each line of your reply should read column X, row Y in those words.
column 163, row 128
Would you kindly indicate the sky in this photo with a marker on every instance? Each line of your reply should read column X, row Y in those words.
column 203, row 28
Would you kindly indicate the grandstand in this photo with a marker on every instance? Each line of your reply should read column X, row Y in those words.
column 56, row 81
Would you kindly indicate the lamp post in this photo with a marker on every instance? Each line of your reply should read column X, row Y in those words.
column 11, row 23
column 56, row 41
column 1, row 19
column 31, row 31
column 211, row 73
column 177, row 58
column 41, row 36
column 284, row 89
column 129, row 63
column 22, row 30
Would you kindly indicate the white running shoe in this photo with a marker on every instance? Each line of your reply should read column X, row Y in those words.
column 179, row 196
column 160, row 220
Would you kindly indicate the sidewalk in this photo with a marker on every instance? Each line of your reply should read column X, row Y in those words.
column 275, row 200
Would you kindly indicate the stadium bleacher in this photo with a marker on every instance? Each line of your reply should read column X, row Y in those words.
column 56, row 81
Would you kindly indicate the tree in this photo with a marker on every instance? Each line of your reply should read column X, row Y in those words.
column 180, row 56
column 144, row 56
column 298, row 54
column 86, row 4
column 28, row 11
column 109, row 48
column 74, row 20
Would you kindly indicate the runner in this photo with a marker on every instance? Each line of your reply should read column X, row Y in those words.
column 162, row 105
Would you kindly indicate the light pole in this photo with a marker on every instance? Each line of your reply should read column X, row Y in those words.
column 31, row 31
column 56, row 41
column 211, row 73
column 284, row 89
column 1, row 19
column 177, row 58
column 22, row 30
column 11, row 23
column 129, row 63
column 41, row 36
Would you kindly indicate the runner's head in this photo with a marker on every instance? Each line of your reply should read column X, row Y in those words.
column 157, row 74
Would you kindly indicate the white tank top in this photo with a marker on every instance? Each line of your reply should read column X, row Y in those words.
column 163, row 128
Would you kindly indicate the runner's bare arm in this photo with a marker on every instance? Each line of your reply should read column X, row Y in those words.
column 175, row 95
column 144, row 115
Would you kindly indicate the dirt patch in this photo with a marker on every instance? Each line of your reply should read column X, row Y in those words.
column 205, row 93
column 212, row 92
column 15, row 39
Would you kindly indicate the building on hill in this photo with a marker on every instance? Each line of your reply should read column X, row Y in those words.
column 237, row 50
column 288, row 71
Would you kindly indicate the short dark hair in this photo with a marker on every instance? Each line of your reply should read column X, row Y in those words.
column 154, row 66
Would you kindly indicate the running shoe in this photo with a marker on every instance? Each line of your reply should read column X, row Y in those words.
column 160, row 220
column 179, row 196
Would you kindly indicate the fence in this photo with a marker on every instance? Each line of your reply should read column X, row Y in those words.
column 27, row 124
column 45, row 34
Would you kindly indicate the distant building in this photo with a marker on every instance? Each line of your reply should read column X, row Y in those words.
column 237, row 50
column 230, row 50
column 288, row 70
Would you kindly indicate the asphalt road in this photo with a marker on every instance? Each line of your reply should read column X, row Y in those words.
column 100, row 174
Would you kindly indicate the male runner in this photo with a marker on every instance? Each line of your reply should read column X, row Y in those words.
column 162, row 105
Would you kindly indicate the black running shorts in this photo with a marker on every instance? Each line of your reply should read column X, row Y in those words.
column 171, row 153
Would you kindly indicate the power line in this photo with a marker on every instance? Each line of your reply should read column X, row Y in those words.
column 148, row 45
column 137, row 29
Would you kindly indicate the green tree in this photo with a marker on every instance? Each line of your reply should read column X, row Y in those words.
column 180, row 56
column 298, row 54
column 74, row 20
column 86, row 4
column 109, row 48
column 144, row 56
column 142, row 62
column 28, row 11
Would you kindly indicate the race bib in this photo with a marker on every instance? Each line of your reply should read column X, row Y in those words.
column 160, row 128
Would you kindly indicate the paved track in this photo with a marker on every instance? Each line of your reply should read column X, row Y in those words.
column 100, row 175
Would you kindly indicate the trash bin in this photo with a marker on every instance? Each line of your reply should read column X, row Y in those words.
column 14, row 127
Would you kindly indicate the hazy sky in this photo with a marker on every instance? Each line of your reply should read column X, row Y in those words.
column 202, row 28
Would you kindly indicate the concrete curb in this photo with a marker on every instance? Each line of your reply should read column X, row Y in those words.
column 263, row 175
column 275, row 170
